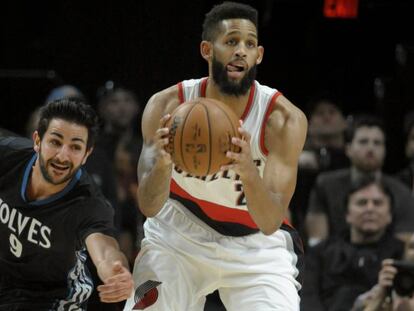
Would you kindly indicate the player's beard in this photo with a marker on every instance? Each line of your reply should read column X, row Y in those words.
column 229, row 87
column 45, row 164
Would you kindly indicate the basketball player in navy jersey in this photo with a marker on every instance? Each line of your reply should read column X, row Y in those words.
column 227, row 231
column 51, row 213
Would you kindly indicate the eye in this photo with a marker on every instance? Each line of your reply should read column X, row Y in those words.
column 76, row 148
column 231, row 42
column 55, row 142
column 251, row 44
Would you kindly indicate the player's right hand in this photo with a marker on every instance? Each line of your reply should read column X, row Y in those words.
column 161, row 140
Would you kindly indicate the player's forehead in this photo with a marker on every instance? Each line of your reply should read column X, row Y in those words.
column 64, row 129
column 238, row 26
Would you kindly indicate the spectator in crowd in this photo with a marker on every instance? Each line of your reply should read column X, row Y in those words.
column 406, row 175
column 131, row 226
column 324, row 150
column 392, row 292
column 325, row 145
column 366, row 151
column 342, row 267
column 118, row 108
column 120, row 138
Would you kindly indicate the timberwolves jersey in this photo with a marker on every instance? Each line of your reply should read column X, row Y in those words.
column 218, row 199
column 42, row 250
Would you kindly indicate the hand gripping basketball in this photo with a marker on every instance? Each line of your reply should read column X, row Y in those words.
column 200, row 133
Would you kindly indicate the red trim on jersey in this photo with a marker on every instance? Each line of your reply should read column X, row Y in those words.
column 269, row 110
column 180, row 92
column 215, row 211
column 287, row 223
column 249, row 102
column 219, row 212
column 203, row 87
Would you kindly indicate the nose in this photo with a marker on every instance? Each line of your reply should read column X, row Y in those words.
column 63, row 153
column 370, row 205
column 241, row 50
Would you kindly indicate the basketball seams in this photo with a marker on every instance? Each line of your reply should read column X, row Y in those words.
column 182, row 134
column 209, row 137
column 231, row 123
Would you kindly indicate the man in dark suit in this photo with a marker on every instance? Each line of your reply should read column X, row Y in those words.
column 366, row 151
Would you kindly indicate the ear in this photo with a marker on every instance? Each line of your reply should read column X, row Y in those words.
column 206, row 50
column 36, row 141
column 260, row 50
column 347, row 217
column 88, row 153
column 348, row 150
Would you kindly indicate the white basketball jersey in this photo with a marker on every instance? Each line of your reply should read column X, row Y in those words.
column 218, row 199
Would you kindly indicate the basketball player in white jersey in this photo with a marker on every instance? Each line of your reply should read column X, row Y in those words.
column 225, row 231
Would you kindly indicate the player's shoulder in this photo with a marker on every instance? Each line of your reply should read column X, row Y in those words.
column 285, row 108
column 13, row 148
column 285, row 114
column 164, row 101
column 15, row 142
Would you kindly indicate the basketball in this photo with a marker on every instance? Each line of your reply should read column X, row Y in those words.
column 200, row 135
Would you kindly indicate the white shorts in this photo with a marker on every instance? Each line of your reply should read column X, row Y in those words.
column 182, row 260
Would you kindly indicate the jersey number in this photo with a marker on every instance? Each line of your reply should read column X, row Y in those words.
column 241, row 200
column 15, row 245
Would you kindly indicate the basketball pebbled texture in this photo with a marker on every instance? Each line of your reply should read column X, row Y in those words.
column 200, row 135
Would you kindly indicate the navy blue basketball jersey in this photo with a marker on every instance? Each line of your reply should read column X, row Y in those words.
column 42, row 249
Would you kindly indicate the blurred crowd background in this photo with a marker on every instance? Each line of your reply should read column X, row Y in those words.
column 348, row 64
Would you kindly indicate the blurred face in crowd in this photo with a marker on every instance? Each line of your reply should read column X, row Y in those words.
column 409, row 250
column 409, row 147
column 369, row 211
column 367, row 149
column 119, row 108
column 61, row 151
column 326, row 119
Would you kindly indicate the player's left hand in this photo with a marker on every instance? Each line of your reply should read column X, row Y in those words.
column 118, row 286
column 242, row 162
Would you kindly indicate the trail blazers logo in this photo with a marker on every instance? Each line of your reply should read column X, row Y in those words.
column 146, row 295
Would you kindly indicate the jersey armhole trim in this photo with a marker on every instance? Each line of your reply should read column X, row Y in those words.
column 269, row 110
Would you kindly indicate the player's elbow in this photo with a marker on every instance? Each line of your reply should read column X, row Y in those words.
column 269, row 229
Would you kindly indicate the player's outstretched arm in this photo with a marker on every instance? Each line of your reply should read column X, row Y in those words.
column 155, row 165
column 112, row 268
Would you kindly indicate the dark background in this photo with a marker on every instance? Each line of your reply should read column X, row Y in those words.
column 149, row 45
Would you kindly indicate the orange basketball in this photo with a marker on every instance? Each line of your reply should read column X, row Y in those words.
column 200, row 135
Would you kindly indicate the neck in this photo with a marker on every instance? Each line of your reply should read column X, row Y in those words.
column 357, row 173
column 336, row 141
column 38, row 188
column 236, row 103
column 358, row 237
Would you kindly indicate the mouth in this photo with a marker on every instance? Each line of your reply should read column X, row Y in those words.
column 236, row 70
column 59, row 168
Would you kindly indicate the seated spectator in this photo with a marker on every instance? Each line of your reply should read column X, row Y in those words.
column 407, row 174
column 366, row 151
column 384, row 296
column 119, row 110
column 342, row 267
column 324, row 150
column 132, row 220
column 325, row 145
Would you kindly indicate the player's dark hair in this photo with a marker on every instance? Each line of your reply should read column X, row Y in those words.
column 226, row 10
column 363, row 121
column 72, row 110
